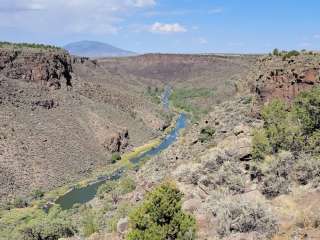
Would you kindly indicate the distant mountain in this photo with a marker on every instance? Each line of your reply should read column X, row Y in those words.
column 96, row 49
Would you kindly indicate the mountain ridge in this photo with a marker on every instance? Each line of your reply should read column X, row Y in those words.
column 95, row 49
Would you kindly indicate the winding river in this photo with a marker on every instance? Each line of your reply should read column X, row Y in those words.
column 86, row 194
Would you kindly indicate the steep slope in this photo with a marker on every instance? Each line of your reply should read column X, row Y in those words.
column 95, row 49
column 57, row 126
column 232, row 195
column 198, row 81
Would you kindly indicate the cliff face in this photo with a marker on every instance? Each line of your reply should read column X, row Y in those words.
column 46, row 68
column 279, row 78
column 186, row 68
column 52, row 137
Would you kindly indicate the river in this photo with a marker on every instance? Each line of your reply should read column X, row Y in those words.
column 86, row 194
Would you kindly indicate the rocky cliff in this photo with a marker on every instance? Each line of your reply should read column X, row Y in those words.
column 49, row 68
column 285, row 78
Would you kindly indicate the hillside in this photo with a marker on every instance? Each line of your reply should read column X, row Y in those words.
column 95, row 49
column 246, row 166
column 253, row 176
column 59, row 124
column 198, row 81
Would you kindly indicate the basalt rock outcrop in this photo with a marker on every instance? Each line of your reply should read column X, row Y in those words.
column 117, row 142
column 49, row 68
column 277, row 77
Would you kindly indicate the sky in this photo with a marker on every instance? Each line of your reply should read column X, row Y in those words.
column 180, row 26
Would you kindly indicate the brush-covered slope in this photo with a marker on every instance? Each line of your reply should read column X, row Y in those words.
column 58, row 122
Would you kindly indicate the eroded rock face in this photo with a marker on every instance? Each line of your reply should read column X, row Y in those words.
column 117, row 142
column 47, row 67
column 122, row 226
column 285, row 79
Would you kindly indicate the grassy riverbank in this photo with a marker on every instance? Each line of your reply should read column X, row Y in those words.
column 12, row 220
column 187, row 100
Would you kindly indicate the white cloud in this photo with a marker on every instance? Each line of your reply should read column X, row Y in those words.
column 167, row 28
column 61, row 17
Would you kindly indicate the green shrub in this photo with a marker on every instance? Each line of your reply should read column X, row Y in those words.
column 37, row 194
column 307, row 110
column 127, row 185
column 107, row 187
column 260, row 145
column 28, row 45
column 306, row 169
column 183, row 99
column 298, row 130
column 274, row 185
column 115, row 157
column 313, row 143
column 53, row 226
column 48, row 229
column 275, row 52
column 275, row 124
column 290, row 54
column 20, row 202
column 247, row 99
column 230, row 177
column 154, row 94
column 236, row 215
column 121, row 211
column 206, row 134
column 89, row 222
column 281, row 131
column 276, row 175
column 160, row 217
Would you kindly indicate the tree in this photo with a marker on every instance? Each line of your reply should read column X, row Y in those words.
column 48, row 229
column 37, row 194
column 115, row 157
column 260, row 145
column 89, row 222
column 160, row 217
column 206, row 134
column 307, row 110
column 281, row 127
column 53, row 226
column 274, row 115
column 275, row 52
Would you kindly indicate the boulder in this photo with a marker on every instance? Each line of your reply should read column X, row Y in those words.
column 241, row 129
column 191, row 205
column 122, row 226
column 117, row 142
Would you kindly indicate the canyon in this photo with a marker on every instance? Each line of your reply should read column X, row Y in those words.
column 113, row 129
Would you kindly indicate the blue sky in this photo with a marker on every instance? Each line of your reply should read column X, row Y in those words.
column 189, row 26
